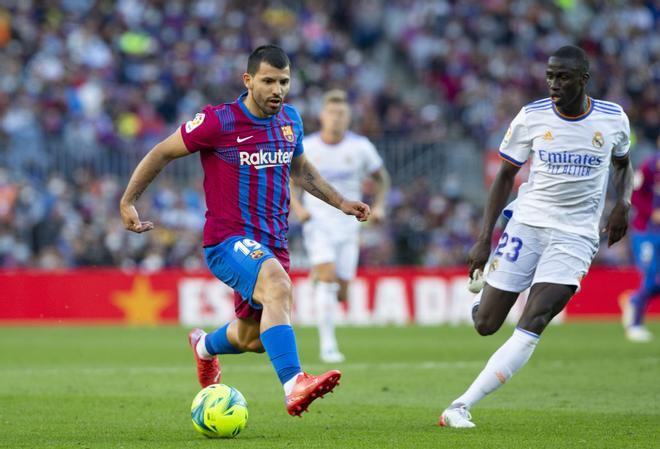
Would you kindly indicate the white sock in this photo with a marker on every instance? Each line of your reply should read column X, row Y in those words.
column 202, row 353
column 325, row 299
column 503, row 364
column 288, row 385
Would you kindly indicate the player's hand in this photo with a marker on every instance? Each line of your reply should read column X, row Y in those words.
column 478, row 255
column 617, row 223
column 358, row 209
column 132, row 221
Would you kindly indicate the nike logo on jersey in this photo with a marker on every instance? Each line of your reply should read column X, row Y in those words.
column 240, row 139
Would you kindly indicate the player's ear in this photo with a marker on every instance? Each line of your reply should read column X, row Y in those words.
column 247, row 81
column 585, row 78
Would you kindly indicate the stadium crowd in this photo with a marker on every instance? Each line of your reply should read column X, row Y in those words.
column 75, row 224
column 60, row 224
column 90, row 79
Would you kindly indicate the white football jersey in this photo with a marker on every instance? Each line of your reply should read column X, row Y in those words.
column 344, row 165
column 570, row 163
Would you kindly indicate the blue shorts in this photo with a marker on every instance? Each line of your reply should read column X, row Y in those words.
column 236, row 262
column 646, row 250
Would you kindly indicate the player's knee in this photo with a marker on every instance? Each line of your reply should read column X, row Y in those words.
column 486, row 327
column 279, row 291
column 325, row 273
column 330, row 279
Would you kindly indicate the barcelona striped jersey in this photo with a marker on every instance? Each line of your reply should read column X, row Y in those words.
column 646, row 196
column 246, row 162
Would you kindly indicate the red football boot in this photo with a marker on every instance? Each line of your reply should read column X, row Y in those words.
column 308, row 388
column 208, row 370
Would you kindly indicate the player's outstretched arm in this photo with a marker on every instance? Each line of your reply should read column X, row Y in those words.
column 497, row 198
column 617, row 223
column 382, row 180
column 306, row 176
column 153, row 162
column 296, row 205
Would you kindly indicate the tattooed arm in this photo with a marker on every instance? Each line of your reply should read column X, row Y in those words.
column 162, row 154
column 306, row 176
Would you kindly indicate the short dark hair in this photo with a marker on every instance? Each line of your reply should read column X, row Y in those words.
column 335, row 96
column 576, row 54
column 270, row 54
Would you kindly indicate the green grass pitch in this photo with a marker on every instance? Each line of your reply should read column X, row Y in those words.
column 122, row 387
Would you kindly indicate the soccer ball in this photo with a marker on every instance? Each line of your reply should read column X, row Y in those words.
column 219, row 411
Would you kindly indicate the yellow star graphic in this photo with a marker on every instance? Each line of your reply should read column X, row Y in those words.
column 141, row 305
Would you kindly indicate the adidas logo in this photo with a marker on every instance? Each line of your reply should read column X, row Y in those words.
column 548, row 136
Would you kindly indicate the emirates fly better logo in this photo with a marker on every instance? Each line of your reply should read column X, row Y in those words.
column 264, row 159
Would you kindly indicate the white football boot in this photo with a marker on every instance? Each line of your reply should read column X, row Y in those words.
column 458, row 417
column 635, row 333
column 638, row 334
column 332, row 356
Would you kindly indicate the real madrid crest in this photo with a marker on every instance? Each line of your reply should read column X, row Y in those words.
column 598, row 141
column 287, row 132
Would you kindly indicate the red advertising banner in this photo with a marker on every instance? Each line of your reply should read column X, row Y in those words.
column 384, row 296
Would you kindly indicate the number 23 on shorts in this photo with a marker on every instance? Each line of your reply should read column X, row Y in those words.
column 514, row 246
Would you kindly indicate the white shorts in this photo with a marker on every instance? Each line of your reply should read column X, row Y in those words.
column 342, row 249
column 527, row 255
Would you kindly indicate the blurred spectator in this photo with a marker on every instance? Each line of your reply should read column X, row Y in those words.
column 101, row 80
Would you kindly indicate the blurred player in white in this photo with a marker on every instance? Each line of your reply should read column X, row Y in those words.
column 345, row 159
column 552, row 235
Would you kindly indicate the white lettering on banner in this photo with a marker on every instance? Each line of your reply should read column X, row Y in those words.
column 459, row 309
column 436, row 300
column 303, row 303
column 358, row 303
column 304, row 309
column 205, row 302
column 431, row 302
column 390, row 302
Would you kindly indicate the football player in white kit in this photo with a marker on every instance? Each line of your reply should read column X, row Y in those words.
column 345, row 159
column 552, row 235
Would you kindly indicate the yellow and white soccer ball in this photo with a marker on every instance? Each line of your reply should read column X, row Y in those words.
column 219, row 411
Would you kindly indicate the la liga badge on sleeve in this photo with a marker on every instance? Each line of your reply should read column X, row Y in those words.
column 194, row 123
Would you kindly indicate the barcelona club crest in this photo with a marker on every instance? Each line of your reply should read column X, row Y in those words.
column 287, row 132
column 598, row 141
column 257, row 254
